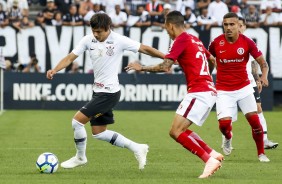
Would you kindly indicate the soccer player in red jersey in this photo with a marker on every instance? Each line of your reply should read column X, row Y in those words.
column 253, row 75
column 232, row 51
column 189, row 52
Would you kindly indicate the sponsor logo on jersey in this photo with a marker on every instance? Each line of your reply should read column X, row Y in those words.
column 109, row 42
column 221, row 51
column 110, row 50
column 231, row 60
column 100, row 85
column 240, row 51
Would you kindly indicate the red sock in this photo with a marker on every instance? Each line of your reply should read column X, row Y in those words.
column 225, row 127
column 191, row 145
column 199, row 141
column 257, row 132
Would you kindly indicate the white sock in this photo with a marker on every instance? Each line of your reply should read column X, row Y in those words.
column 117, row 139
column 264, row 126
column 80, row 138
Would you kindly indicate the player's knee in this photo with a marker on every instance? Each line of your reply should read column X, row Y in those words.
column 253, row 120
column 225, row 124
column 76, row 124
column 173, row 134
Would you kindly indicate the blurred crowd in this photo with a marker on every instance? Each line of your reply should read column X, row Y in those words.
column 207, row 13
column 137, row 13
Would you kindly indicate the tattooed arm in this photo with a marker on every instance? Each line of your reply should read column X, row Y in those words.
column 255, row 74
column 255, row 70
column 264, row 69
column 162, row 67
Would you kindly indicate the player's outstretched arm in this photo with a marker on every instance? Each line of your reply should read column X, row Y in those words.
column 151, row 51
column 162, row 67
column 66, row 61
column 264, row 69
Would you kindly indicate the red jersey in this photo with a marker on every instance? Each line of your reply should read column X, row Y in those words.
column 231, row 60
column 191, row 55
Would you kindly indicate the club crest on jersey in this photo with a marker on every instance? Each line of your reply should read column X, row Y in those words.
column 221, row 43
column 110, row 50
column 240, row 51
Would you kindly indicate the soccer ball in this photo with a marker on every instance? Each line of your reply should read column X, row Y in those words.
column 47, row 163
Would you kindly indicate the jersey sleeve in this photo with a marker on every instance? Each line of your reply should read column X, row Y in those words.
column 129, row 44
column 82, row 46
column 176, row 50
column 254, row 50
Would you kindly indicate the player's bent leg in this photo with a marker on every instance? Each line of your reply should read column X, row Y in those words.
column 188, row 140
column 179, row 133
column 80, row 139
column 140, row 150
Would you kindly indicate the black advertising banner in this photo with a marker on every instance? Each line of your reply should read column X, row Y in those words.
column 72, row 91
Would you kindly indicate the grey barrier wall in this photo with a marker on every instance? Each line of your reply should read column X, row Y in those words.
column 72, row 91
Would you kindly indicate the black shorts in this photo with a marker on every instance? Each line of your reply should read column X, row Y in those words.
column 100, row 108
column 257, row 95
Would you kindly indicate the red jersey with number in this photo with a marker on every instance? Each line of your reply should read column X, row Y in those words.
column 231, row 60
column 191, row 55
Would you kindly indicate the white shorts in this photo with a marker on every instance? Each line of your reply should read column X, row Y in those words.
column 197, row 106
column 226, row 102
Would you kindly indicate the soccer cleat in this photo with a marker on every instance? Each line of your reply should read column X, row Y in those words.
column 270, row 145
column 73, row 162
column 222, row 145
column 263, row 158
column 212, row 165
column 141, row 155
column 217, row 155
column 227, row 146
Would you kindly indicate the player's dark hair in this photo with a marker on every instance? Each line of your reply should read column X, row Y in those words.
column 243, row 20
column 230, row 15
column 100, row 21
column 176, row 18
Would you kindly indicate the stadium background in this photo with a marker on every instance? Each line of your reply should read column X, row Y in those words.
column 51, row 43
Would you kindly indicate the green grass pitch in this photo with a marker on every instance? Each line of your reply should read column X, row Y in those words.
column 24, row 135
